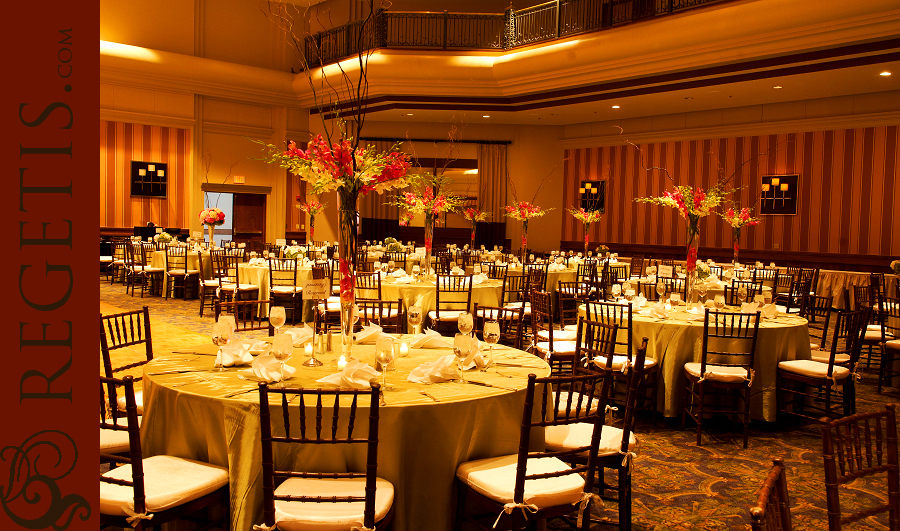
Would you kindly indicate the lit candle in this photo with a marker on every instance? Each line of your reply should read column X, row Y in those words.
column 404, row 350
column 308, row 349
column 342, row 362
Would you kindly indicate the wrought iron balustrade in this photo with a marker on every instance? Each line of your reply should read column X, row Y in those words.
column 543, row 22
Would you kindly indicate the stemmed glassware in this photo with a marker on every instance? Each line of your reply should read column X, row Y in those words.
column 720, row 301
column 466, row 323
column 282, row 347
column 462, row 343
column 491, row 335
column 276, row 317
column 221, row 333
column 415, row 271
column 767, row 297
column 414, row 318
column 742, row 294
column 616, row 290
column 384, row 355
column 660, row 289
column 391, row 265
column 701, row 290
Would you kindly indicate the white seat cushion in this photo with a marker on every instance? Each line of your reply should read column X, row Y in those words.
column 495, row 478
column 385, row 312
column 211, row 283
column 579, row 434
column 116, row 441
column 106, row 259
column 494, row 314
column 812, row 368
column 290, row 290
column 446, row 315
column 558, row 335
column 874, row 327
column 718, row 373
column 229, row 286
column 893, row 344
column 138, row 399
column 619, row 360
column 824, row 357
column 326, row 516
column 169, row 482
column 565, row 347
column 148, row 269
column 180, row 272
column 517, row 305
column 872, row 335
column 815, row 346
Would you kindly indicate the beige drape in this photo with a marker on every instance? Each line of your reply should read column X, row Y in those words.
column 373, row 205
column 492, row 180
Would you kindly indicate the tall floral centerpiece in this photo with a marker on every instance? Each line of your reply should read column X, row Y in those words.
column 523, row 211
column 351, row 173
column 586, row 217
column 406, row 218
column 312, row 208
column 474, row 215
column 431, row 200
column 738, row 220
column 692, row 204
column 211, row 217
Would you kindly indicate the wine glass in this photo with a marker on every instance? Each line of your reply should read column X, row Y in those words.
column 720, row 302
column 376, row 266
column 660, row 289
column 276, row 317
column 281, row 351
column 391, row 265
column 629, row 295
column 767, row 297
column 416, row 270
column 384, row 355
column 616, row 290
column 675, row 298
column 462, row 343
column 742, row 294
column 491, row 335
column 465, row 323
column 414, row 318
column 221, row 333
column 701, row 290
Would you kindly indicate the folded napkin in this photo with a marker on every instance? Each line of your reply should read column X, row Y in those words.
column 555, row 267
column 657, row 311
column 749, row 307
column 430, row 339
column 651, row 278
column 398, row 273
column 696, row 312
column 712, row 280
column 456, row 271
column 476, row 358
column 440, row 370
column 356, row 374
column 368, row 335
column 479, row 278
column 769, row 311
column 300, row 335
column 258, row 347
column 233, row 354
column 268, row 369
column 639, row 302
column 404, row 280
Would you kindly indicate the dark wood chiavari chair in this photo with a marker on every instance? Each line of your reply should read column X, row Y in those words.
column 773, row 506
column 509, row 319
column 890, row 347
column 126, row 330
column 248, row 315
column 283, row 286
column 452, row 296
column 177, row 270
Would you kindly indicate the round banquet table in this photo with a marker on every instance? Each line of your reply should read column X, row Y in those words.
column 678, row 339
column 421, row 441
column 553, row 277
column 422, row 294
column 711, row 290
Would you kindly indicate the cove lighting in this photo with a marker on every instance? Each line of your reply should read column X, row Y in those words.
column 777, row 87
column 615, row 106
column 486, row 116
column 885, row 73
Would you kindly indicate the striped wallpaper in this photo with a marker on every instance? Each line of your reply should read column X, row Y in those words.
column 295, row 187
column 849, row 190
column 120, row 143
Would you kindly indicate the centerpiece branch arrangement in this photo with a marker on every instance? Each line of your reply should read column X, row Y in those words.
column 586, row 217
column 312, row 208
column 524, row 211
column 474, row 215
column 428, row 196
column 738, row 219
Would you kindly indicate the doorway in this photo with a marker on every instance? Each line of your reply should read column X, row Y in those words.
column 249, row 221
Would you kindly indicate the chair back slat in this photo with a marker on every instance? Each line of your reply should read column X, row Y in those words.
column 772, row 510
column 135, row 455
column 248, row 315
column 734, row 339
column 122, row 330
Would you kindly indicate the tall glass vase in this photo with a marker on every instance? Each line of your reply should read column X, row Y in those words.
column 524, row 239
column 429, row 237
column 587, row 238
column 472, row 237
column 212, row 229
column 347, row 244
column 693, row 245
column 736, row 241
column 312, row 229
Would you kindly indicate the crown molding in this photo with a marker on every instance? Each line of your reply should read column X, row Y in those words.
column 238, row 130
column 738, row 130
column 112, row 115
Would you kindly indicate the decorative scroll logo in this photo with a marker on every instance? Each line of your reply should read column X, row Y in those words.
column 32, row 498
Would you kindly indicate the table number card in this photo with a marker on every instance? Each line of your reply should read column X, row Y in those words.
column 197, row 234
column 666, row 271
column 280, row 241
column 317, row 289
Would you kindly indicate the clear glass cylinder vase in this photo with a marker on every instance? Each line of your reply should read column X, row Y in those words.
column 212, row 230
column 736, row 243
column 347, row 246
column 429, row 237
column 693, row 246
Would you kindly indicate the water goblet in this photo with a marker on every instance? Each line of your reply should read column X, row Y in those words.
column 376, row 266
column 220, row 336
column 767, row 297
column 391, row 265
column 675, row 299
column 465, row 323
column 616, row 290
column 462, row 343
column 491, row 335
column 742, row 294
column 414, row 318
column 701, row 290
column 281, row 350
column 660, row 289
column 629, row 295
column 384, row 355
column 416, row 270
column 276, row 317
column 720, row 302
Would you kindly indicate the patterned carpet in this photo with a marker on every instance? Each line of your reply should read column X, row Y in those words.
column 677, row 485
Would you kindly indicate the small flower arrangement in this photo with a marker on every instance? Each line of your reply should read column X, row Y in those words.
column 474, row 215
column 703, row 270
column 603, row 250
column 212, row 216
column 429, row 203
column 392, row 245
column 690, row 202
column 163, row 237
column 313, row 207
column 586, row 216
column 406, row 218
column 739, row 219
column 523, row 211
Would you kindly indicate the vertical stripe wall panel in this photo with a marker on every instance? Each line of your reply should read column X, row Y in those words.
column 120, row 143
column 849, row 190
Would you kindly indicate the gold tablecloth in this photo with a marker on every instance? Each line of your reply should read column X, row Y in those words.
column 833, row 283
column 676, row 341
column 422, row 294
column 421, row 442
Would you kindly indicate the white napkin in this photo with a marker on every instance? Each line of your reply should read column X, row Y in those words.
column 554, row 267
column 440, row 370
column 258, row 347
column 657, row 311
column 300, row 336
column 769, row 311
column 268, row 369
column 479, row 278
column 476, row 358
column 404, row 280
column 356, row 374
column 696, row 312
column 640, row 301
column 430, row 339
column 368, row 335
column 749, row 307
column 233, row 354
column 651, row 278
column 398, row 273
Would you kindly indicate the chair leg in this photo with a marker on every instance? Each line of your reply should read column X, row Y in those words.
column 700, row 402
column 746, row 416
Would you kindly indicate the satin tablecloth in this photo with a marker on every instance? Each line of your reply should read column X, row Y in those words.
column 677, row 340
column 422, row 294
column 421, row 442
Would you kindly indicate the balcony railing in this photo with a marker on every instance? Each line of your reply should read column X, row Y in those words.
column 466, row 31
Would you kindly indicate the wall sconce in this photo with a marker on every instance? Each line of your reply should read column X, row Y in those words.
column 778, row 194
column 775, row 181
column 592, row 195
column 784, row 187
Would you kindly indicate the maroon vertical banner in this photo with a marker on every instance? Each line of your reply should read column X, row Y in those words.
column 48, row 388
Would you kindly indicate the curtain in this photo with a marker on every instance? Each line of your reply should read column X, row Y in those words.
column 492, row 177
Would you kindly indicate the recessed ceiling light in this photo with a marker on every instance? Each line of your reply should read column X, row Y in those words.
column 486, row 116
column 409, row 114
column 615, row 106
column 885, row 73
column 688, row 98
column 777, row 87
